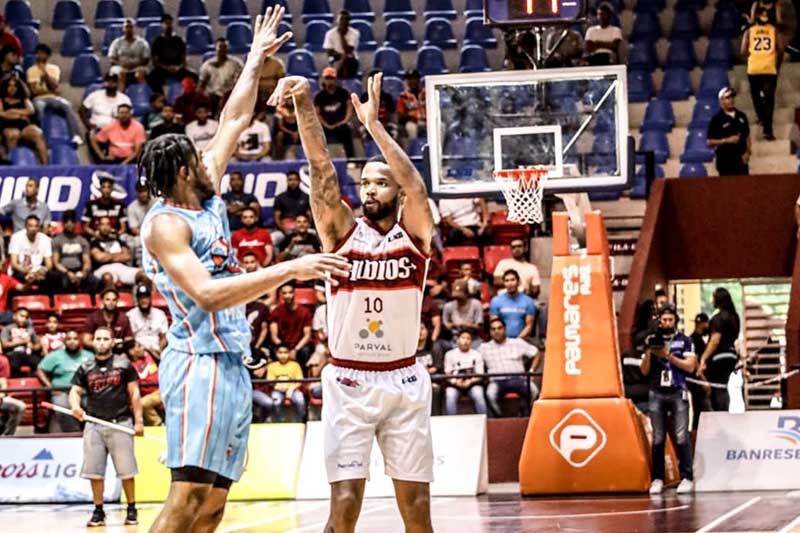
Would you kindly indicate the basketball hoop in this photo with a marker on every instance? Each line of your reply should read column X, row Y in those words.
column 523, row 189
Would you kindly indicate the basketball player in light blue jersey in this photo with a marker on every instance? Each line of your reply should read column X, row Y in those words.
column 187, row 253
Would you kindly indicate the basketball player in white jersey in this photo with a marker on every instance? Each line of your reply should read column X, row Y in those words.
column 373, row 386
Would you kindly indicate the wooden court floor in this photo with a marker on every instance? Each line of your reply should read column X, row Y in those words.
column 776, row 512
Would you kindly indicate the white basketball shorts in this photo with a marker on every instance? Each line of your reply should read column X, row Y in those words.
column 393, row 406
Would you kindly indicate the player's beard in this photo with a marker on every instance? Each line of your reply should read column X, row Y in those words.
column 381, row 210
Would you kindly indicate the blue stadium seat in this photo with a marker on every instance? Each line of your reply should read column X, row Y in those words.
column 371, row 149
column 191, row 11
column 92, row 87
column 475, row 32
column 681, row 54
column 604, row 144
column 199, row 38
column 240, row 37
column 151, row 32
column 399, row 9
column 605, row 196
column 696, row 149
column 233, row 11
column 439, row 8
column 67, row 13
column 685, row 25
column 711, row 81
column 473, row 8
column 85, row 71
column 77, row 40
column 393, row 86
column 63, row 155
column 415, row 147
column 439, row 32
column 604, row 121
column 696, row 5
column 642, row 56
column 719, row 53
column 108, row 12
column 646, row 27
column 139, row 93
column 366, row 38
column 287, row 16
column 315, row 34
column 655, row 141
column 174, row 90
column 353, row 86
column 703, row 111
column 56, row 129
column 649, row 5
column 29, row 37
column 639, row 189
column 360, row 10
column 301, row 63
column 400, row 35
column 388, row 60
column 149, row 12
column 693, row 170
column 676, row 85
column 18, row 13
column 640, row 85
column 727, row 22
column 289, row 45
column 473, row 59
column 430, row 60
column 112, row 32
column 658, row 116
column 22, row 156
column 316, row 10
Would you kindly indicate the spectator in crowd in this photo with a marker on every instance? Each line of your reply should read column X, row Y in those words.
column 43, row 79
column 189, row 100
column 21, row 208
column 661, row 299
column 668, row 360
column 111, row 257
column 56, row 371
column 148, row 324
column 72, row 261
column 386, row 111
column 256, row 311
column 236, row 200
column 290, row 325
column 319, row 323
column 16, row 118
column 129, row 55
column 7, row 37
column 411, row 106
column 146, row 367
column 252, row 239
column 473, row 285
column 434, row 365
column 698, row 395
column 762, row 47
column 218, row 74
column 13, row 408
column 290, row 203
column 112, row 394
column 462, row 312
column 772, row 9
column 530, row 282
column 335, row 110
column 108, row 316
column 256, row 365
column 463, row 359
column 168, row 123
column 719, row 359
column 255, row 143
column 466, row 219
column 566, row 45
column 318, row 361
column 515, row 309
column 153, row 117
column 502, row 355
column 341, row 45
column 300, row 242
column 125, row 138
column 729, row 134
column 169, row 57
column 286, row 132
column 604, row 40
column 53, row 338
column 8, row 287
column 10, row 66
column 203, row 128
column 31, row 253
column 272, row 70
column 20, row 343
column 286, row 368
column 105, row 206
column 101, row 107
column 137, row 210
column 701, row 334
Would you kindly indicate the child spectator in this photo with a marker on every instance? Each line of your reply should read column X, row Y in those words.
column 54, row 338
column 285, row 369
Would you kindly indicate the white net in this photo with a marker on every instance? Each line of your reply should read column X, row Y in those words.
column 523, row 189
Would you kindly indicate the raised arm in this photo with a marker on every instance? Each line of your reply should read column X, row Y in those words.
column 169, row 239
column 238, row 111
column 417, row 216
column 332, row 217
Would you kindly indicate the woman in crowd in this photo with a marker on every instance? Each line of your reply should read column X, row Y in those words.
column 16, row 110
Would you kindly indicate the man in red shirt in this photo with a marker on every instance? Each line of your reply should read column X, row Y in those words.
column 8, row 285
column 147, row 369
column 108, row 316
column 290, row 324
column 252, row 239
column 7, row 37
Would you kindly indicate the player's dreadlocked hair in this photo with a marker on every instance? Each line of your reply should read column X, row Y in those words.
column 161, row 159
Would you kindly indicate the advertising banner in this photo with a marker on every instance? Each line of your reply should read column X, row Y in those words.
column 48, row 471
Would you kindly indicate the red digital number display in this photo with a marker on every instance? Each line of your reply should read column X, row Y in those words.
column 534, row 8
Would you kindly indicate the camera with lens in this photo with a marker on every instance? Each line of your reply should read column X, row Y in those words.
column 659, row 339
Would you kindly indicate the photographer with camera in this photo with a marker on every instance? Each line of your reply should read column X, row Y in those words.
column 668, row 359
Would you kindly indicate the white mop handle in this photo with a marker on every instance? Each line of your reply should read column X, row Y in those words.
column 99, row 422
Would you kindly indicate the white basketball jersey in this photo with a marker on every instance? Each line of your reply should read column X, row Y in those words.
column 374, row 315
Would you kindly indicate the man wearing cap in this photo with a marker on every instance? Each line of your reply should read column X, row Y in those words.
column 334, row 110
column 7, row 37
column 100, row 108
column 108, row 316
column 341, row 43
column 149, row 324
column 729, row 133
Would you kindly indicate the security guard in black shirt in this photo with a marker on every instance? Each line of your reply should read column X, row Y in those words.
column 729, row 133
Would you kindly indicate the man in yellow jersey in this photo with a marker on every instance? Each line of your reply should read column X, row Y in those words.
column 762, row 46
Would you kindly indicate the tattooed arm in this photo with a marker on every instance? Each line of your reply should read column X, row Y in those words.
column 332, row 217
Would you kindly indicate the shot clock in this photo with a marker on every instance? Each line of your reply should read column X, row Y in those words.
column 532, row 12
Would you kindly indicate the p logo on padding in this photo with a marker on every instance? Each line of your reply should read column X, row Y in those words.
column 578, row 438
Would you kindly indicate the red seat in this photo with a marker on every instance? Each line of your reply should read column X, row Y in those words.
column 306, row 296
column 39, row 302
column 69, row 302
column 125, row 300
column 27, row 397
column 453, row 256
column 494, row 254
column 503, row 231
column 158, row 300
